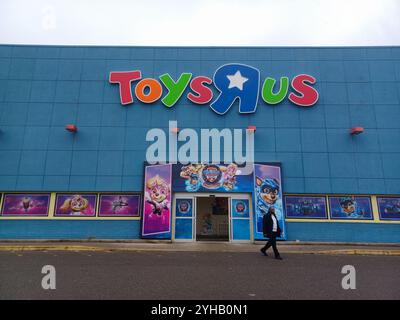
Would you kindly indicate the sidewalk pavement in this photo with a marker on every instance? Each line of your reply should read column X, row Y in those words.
column 156, row 246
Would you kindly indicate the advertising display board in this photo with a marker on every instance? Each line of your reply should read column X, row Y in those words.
column 156, row 219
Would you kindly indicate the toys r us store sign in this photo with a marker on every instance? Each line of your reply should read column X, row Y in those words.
column 233, row 81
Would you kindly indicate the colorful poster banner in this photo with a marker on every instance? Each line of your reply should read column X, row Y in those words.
column 25, row 205
column 306, row 207
column 184, row 208
column 267, row 194
column 119, row 205
column 211, row 178
column 240, row 208
column 389, row 208
column 156, row 220
column 76, row 205
column 350, row 207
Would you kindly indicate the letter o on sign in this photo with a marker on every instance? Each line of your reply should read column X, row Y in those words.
column 155, row 90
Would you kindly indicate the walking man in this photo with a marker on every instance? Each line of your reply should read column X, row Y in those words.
column 271, row 231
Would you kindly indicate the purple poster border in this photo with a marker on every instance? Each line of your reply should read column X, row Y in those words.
column 101, row 195
column 4, row 198
column 379, row 203
column 83, row 194
column 144, row 215
column 340, row 216
column 305, row 197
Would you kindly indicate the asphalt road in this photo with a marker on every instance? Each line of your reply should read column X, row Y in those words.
column 196, row 275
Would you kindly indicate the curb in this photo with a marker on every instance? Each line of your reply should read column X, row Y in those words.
column 50, row 248
column 363, row 252
column 163, row 241
column 116, row 249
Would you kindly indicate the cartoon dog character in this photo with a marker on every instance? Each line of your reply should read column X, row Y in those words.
column 74, row 205
column 157, row 195
column 191, row 173
column 267, row 196
column 349, row 208
column 190, row 169
column 268, row 190
column 230, row 176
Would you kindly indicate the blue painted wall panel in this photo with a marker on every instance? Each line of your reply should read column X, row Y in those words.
column 324, row 232
column 61, row 229
column 343, row 232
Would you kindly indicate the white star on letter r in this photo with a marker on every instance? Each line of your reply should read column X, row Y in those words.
column 236, row 80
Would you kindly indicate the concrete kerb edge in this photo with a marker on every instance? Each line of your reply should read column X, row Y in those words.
column 161, row 241
column 77, row 248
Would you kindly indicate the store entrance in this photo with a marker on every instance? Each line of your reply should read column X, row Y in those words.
column 212, row 218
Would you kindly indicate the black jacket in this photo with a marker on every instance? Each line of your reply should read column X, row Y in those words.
column 268, row 225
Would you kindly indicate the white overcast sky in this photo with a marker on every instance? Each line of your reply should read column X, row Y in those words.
column 202, row 22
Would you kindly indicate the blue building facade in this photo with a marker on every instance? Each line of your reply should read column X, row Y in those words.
column 44, row 88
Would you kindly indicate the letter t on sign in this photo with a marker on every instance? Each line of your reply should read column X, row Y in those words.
column 124, row 78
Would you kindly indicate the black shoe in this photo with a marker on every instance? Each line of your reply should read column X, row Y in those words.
column 263, row 250
column 278, row 258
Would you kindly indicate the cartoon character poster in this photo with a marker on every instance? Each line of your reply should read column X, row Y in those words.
column 76, row 205
column 119, row 205
column 306, row 207
column 240, row 208
column 389, row 208
column 350, row 207
column 156, row 221
column 26, row 205
column 211, row 177
column 184, row 208
column 267, row 194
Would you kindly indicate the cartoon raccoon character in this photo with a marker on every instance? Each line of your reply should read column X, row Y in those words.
column 267, row 196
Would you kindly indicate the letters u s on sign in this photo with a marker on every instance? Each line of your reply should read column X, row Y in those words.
column 233, row 81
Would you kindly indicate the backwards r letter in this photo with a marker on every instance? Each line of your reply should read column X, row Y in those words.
column 236, row 81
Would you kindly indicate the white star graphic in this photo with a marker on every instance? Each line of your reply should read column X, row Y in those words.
column 236, row 80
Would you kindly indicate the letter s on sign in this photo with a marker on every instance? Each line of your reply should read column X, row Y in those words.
column 203, row 94
column 308, row 96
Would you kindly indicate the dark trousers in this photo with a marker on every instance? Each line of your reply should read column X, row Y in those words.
column 272, row 243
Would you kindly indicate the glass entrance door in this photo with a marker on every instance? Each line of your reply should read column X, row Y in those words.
column 212, row 218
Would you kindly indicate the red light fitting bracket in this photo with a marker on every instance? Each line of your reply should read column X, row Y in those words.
column 356, row 130
column 71, row 128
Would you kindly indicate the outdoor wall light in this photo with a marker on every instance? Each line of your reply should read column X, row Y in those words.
column 71, row 128
column 356, row 130
column 252, row 128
